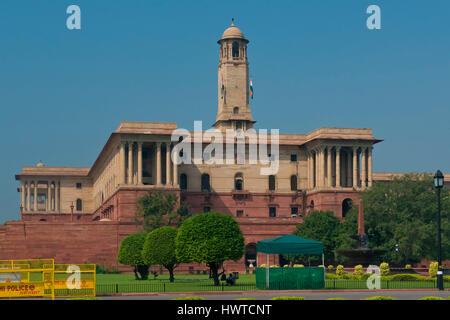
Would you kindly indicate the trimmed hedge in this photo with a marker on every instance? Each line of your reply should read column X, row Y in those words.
column 288, row 298
column 432, row 298
column 189, row 298
column 245, row 299
column 379, row 298
column 337, row 298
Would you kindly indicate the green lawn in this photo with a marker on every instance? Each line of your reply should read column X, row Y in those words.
column 125, row 283
column 189, row 278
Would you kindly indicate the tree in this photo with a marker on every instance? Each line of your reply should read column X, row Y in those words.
column 158, row 209
column 211, row 238
column 130, row 253
column 323, row 226
column 159, row 248
column 400, row 217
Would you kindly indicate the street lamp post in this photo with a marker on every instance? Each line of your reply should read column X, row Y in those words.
column 438, row 184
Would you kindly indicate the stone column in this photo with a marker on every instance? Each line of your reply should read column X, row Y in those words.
column 168, row 171
column 363, row 168
column 316, row 161
column 322, row 167
column 369, row 166
column 139, row 170
column 175, row 169
column 22, row 195
column 308, row 157
column 35, row 196
column 329, row 175
column 338, row 167
column 130, row 163
column 47, row 198
column 28, row 196
column 57, row 202
column 355, row 167
column 158, row 163
column 122, row 163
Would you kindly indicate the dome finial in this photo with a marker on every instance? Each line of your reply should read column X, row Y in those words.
column 232, row 22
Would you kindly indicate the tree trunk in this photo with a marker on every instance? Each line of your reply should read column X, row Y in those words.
column 214, row 268
column 170, row 269
column 136, row 273
column 143, row 271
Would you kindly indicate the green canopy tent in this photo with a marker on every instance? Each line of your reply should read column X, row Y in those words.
column 288, row 244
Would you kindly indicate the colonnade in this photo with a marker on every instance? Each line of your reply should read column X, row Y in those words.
column 131, row 164
column 340, row 166
column 31, row 189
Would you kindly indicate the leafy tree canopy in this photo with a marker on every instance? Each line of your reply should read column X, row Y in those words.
column 401, row 217
column 323, row 226
column 210, row 238
column 159, row 248
column 130, row 253
column 158, row 209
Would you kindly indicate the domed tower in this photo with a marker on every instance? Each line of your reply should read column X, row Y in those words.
column 233, row 82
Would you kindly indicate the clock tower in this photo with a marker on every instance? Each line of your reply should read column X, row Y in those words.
column 233, row 82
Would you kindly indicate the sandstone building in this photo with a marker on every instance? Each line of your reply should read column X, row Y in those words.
column 81, row 214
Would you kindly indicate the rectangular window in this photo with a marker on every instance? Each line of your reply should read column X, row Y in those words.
column 79, row 205
column 272, row 212
column 294, row 211
column 78, row 185
column 239, row 213
column 206, row 209
column 293, row 157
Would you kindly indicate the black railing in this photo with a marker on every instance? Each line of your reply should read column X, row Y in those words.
column 208, row 286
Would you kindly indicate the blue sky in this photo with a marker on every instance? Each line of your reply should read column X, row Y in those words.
column 313, row 63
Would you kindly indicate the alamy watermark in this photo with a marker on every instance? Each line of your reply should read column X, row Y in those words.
column 250, row 145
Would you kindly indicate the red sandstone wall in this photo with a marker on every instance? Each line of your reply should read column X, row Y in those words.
column 85, row 240
column 65, row 242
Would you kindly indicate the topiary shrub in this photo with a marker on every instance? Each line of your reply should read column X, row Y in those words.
column 130, row 253
column 288, row 298
column 358, row 271
column 189, row 298
column 340, row 270
column 286, row 266
column 263, row 265
column 379, row 298
column 405, row 277
column 408, row 266
column 384, row 269
column 432, row 271
column 298, row 266
column 159, row 249
column 330, row 267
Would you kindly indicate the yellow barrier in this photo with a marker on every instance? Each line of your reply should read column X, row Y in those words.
column 44, row 278
column 27, row 278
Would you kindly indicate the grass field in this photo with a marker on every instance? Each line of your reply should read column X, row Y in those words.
column 126, row 283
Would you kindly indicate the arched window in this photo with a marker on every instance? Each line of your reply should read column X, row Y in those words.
column 238, row 181
column 250, row 254
column 293, row 183
column 236, row 110
column 346, row 206
column 183, row 181
column 206, row 186
column 235, row 50
column 271, row 182
column 79, row 205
